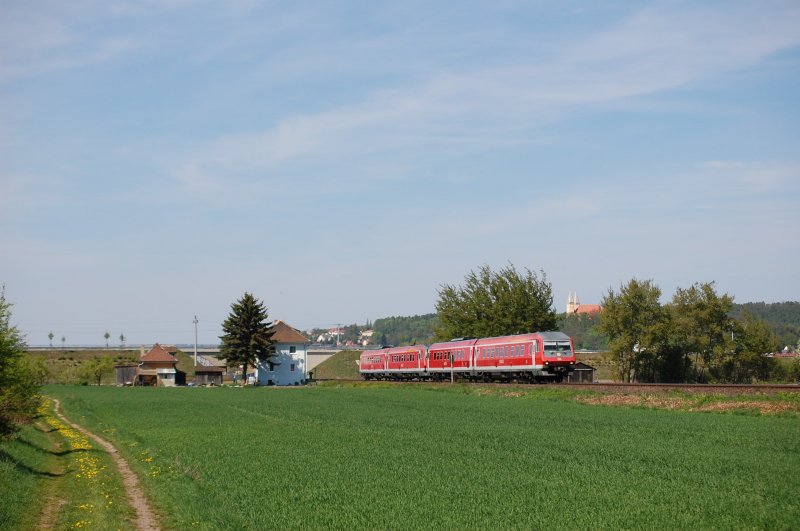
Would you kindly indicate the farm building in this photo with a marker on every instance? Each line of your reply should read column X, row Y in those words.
column 208, row 375
column 583, row 373
column 288, row 366
column 125, row 373
column 158, row 367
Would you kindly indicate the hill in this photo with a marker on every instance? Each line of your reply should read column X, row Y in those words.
column 782, row 317
column 340, row 366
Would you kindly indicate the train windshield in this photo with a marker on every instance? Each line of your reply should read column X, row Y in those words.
column 557, row 348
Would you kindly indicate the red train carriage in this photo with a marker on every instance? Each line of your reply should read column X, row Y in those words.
column 404, row 363
column 454, row 357
column 372, row 364
column 539, row 356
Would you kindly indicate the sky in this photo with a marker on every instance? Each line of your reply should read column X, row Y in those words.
column 343, row 160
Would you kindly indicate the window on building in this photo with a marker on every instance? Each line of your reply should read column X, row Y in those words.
column 292, row 349
column 291, row 367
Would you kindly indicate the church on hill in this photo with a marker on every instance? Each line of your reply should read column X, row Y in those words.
column 574, row 306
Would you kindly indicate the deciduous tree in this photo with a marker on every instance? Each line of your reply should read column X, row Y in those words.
column 703, row 326
column 752, row 340
column 495, row 303
column 94, row 369
column 18, row 386
column 636, row 325
column 247, row 334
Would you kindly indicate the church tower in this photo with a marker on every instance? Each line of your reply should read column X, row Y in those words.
column 572, row 303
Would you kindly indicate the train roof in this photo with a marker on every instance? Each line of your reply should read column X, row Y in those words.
column 546, row 336
column 457, row 343
column 554, row 336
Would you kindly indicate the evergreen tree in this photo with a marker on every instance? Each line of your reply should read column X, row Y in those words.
column 18, row 385
column 495, row 304
column 247, row 334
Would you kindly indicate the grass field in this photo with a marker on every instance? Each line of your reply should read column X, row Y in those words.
column 402, row 457
column 52, row 476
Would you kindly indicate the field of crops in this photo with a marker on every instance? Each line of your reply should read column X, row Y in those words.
column 443, row 457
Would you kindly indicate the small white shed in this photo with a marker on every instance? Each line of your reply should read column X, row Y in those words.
column 289, row 365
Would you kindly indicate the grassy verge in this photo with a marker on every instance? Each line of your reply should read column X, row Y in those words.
column 27, row 467
column 52, row 476
column 340, row 366
column 387, row 456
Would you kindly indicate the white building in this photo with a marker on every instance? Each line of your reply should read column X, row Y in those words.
column 289, row 365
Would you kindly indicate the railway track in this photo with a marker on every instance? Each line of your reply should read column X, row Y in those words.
column 728, row 389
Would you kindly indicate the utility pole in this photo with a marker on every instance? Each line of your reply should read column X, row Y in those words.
column 195, row 340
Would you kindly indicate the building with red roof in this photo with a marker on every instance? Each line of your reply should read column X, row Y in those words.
column 288, row 365
column 574, row 306
column 158, row 367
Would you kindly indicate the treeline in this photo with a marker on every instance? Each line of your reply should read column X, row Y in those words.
column 782, row 317
column 584, row 329
column 692, row 338
column 404, row 330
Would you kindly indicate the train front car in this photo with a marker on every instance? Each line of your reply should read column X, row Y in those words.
column 558, row 354
column 372, row 364
column 523, row 357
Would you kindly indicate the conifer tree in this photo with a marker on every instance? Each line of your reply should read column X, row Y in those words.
column 247, row 335
column 18, row 385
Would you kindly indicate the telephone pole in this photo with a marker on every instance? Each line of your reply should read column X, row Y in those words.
column 195, row 340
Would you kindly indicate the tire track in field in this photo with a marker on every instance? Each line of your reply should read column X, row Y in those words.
column 145, row 518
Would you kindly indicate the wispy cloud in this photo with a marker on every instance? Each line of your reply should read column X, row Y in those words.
column 655, row 50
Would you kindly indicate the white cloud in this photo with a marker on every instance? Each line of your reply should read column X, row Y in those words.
column 654, row 50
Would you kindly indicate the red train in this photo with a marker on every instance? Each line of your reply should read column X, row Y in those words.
column 536, row 357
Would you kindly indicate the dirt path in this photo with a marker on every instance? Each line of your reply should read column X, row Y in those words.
column 145, row 518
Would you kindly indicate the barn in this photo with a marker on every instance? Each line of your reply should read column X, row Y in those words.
column 583, row 373
column 208, row 375
column 125, row 373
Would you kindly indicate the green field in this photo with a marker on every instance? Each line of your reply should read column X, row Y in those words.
column 444, row 457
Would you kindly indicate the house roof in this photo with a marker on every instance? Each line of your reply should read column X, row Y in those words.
column 158, row 353
column 283, row 333
column 588, row 308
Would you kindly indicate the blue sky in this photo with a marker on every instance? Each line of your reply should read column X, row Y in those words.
column 342, row 160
